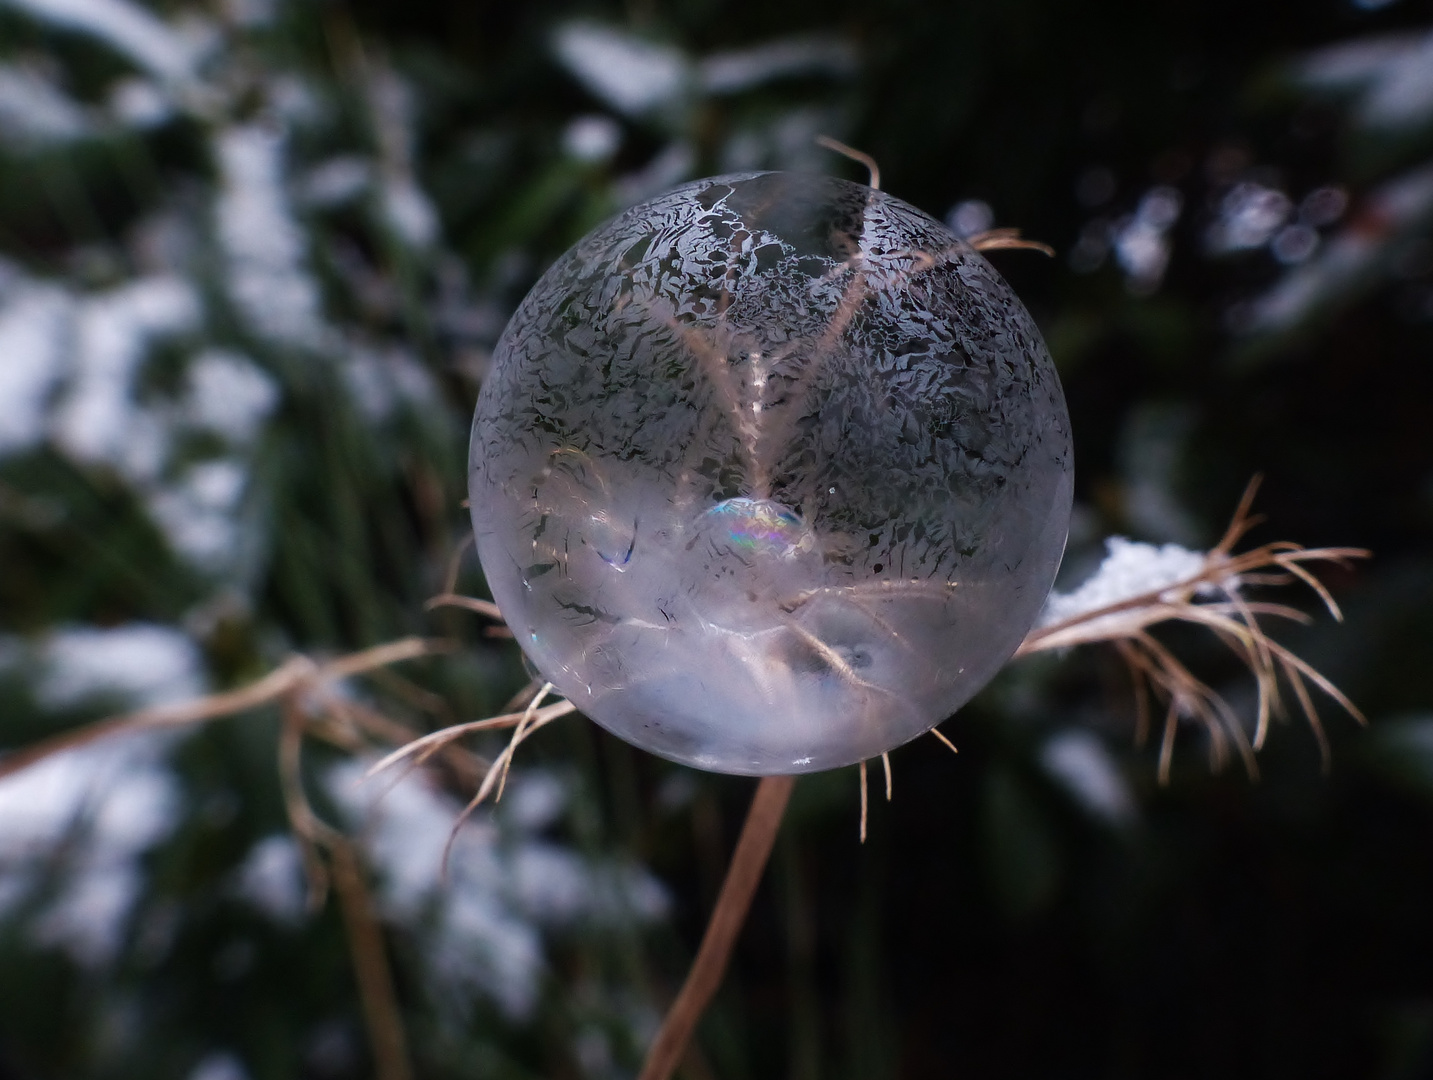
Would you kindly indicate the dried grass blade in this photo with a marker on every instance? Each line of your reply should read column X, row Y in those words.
column 1319, row 680
column 266, row 691
column 1307, row 704
column 393, row 652
column 941, row 736
column 467, row 603
column 1242, row 521
column 1166, row 746
column 863, row 802
column 1312, row 582
column 874, row 182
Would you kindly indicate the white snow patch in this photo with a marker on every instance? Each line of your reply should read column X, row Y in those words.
column 98, row 419
column 271, row 878
column 484, row 927
column 219, row 1066
column 336, row 181
column 1352, row 255
column 592, row 138
column 1085, row 768
column 1141, row 241
column 263, row 244
column 743, row 69
column 251, row 13
column 631, row 74
column 1249, row 216
column 169, row 52
column 33, row 356
column 33, row 109
column 99, row 807
column 1395, row 75
column 295, row 100
column 970, row 217
column 229, row 395
column 106, row 805
column 140, row 103
column 409, row 212
column 146, row 663
column 382, row 379
column 198, row 514
column 1130, row 569
column 534, row 800
column 402, row 203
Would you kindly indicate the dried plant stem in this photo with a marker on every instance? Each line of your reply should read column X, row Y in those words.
column 331, row 858
column 279, row 681
column 945, row 741
column 865, row 799
column 370, row 964
column 1007, row 239
column 747, row 863
column 874, row 182
column 469, row 603
column 296, row 673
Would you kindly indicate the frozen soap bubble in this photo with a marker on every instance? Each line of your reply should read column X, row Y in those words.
column 771, row 473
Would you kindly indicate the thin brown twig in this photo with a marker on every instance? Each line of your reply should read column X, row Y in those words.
column 865, row 799
column 1166, row 745
column 426, row 744
column 268, row 689
column 942, row 737
column 311, row 833
column 372, row 971
column 330, row 858
column 1140, row 685
column 469, row 603
column 455, row 563
column 410, row 693
column 1007, row 240
column 298, row 672
column 874, row 182
column 1156, row 604
column 519, row 733
column 380, row 656
column 528, row 722
column 742, row 876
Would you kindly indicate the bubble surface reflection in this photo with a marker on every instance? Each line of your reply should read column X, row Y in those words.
column 770, row 474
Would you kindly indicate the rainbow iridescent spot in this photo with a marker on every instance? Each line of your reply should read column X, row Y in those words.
column 756, row 524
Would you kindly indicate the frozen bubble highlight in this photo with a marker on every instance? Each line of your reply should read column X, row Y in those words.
column 770, row 474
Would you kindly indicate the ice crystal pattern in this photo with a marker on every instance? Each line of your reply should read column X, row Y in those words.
column 770, row 474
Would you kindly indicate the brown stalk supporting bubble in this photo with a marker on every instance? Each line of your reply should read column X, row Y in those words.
column 742, row 877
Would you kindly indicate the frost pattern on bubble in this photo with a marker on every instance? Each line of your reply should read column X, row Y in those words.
column 770, row 474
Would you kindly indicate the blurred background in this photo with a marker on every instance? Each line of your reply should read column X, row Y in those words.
column 254, row 255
